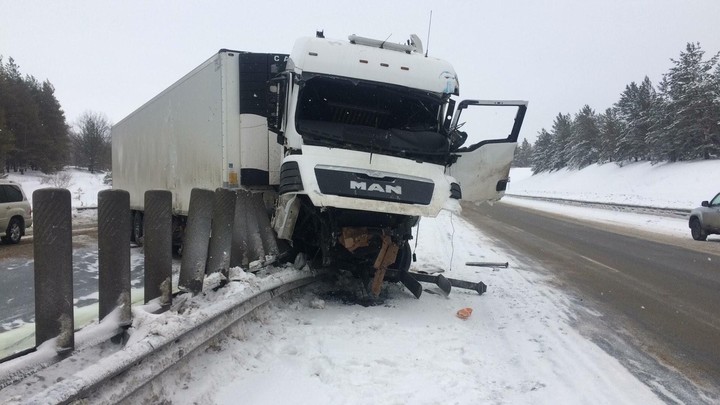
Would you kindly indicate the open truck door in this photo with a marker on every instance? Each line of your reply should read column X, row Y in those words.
column 483, row 161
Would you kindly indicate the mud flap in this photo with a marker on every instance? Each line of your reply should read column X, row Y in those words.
column 439, row 280
column 411, row 284
column 446, row 284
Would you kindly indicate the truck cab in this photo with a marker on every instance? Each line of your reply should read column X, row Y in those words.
column 373, row 140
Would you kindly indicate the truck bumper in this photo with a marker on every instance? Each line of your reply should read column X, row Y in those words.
column 346, row 179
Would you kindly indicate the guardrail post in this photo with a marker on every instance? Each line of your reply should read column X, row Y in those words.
column 158, row 246
column 52, row 243
column 269, row 241
column 222, row 228
column 197, row 236
column 114, row 254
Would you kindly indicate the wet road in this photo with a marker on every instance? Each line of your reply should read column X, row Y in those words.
column 654, row 299
column 17, row 300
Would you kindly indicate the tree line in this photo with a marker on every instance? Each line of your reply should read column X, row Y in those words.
column 34, row 134
column 677, row 121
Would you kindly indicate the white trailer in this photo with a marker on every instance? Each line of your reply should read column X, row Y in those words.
column 207, row 130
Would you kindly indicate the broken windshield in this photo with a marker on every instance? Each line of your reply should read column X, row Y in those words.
column 373, row 117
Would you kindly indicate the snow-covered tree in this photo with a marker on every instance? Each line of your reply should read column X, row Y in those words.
column 690, row 119
column 584, row 146
column 523, row 155
column 560, row 148
column 635, row 109
column 542, row 152
column 610, row 128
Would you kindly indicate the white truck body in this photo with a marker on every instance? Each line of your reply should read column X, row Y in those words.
column 353, row 140
column 193, row 134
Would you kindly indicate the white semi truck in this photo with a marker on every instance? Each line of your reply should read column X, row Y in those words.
column 353, row 141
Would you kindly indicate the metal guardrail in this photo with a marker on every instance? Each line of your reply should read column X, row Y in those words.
column 54, row 328
column 115, row 377
column 664, row 211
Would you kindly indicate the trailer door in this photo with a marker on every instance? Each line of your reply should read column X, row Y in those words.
column 492, row 128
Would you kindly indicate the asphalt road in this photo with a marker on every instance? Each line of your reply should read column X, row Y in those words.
column 651, row 301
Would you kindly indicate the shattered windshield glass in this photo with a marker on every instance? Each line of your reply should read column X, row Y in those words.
column 370, row 116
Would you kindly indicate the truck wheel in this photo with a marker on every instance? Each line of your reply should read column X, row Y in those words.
column 13, row 232
column 137, row 228
column 696, row 230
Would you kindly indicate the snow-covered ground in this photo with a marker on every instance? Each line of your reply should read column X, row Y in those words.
column 518, row 346
column 82, row 184
column 681, row 185
column 666, row 185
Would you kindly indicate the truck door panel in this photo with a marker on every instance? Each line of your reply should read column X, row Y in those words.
column 492, row 128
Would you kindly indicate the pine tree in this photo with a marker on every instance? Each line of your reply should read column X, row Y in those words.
column 52, row 144
column 7, row 138
column 542, row 152
column 584, row 147
column 523, row 155
column 692, row 106
column 34, row 133
column 610, row 128
column 635, row 110
column 562, row 133
column 22, row 115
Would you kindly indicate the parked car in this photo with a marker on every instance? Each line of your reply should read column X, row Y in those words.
column 15, row 212
column 705, row 220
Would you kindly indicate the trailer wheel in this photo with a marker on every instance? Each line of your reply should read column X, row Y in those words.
column 137, row 228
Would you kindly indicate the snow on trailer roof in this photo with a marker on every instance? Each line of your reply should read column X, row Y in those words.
column 363, row 58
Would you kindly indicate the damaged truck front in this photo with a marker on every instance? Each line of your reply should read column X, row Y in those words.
column 373, row 141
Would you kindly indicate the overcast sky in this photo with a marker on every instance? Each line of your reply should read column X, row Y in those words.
column 112, row 56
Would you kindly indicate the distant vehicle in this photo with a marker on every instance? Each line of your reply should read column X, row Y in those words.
column 15, row 212
column 705, row 220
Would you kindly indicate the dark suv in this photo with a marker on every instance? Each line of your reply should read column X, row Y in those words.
column 15, row 212
column 705, row 220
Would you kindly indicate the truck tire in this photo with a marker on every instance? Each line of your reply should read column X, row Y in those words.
column 696, row 230
column 137, row 228
column 14, row 232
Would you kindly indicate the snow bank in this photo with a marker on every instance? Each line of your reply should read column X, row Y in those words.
column 83, row 185
column 669, row 185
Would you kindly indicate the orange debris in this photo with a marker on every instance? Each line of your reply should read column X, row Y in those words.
column 464, row 313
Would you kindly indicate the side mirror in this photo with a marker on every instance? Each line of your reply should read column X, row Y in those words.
column 705, row 204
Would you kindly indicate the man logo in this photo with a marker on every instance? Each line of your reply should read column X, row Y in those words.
column 387, row 189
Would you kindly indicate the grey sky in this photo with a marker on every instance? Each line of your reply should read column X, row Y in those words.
column 112, row 56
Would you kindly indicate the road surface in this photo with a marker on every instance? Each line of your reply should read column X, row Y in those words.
column 653, row 301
